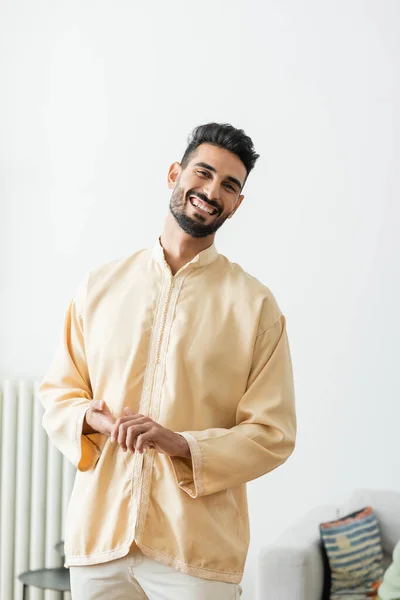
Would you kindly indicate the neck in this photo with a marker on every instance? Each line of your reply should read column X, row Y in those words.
column 179, row 247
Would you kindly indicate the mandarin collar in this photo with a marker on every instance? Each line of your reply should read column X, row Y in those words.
column 205, row 257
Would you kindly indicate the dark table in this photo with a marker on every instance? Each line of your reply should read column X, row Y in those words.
column 47, row 579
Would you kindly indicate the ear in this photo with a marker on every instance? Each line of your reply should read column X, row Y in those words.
column 238, row 203
column 173, row 174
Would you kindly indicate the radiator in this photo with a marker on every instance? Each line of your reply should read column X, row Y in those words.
column 36, row 483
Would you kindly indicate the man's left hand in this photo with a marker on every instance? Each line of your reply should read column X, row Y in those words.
column 135, row 432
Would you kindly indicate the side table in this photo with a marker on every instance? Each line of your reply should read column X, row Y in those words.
column 56, row 579
column 46, row 579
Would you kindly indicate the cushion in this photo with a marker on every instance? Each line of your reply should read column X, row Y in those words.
column 354, row 554
column 386, row 507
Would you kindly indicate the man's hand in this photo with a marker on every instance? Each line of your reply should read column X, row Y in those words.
column 98, row 419
column 136, row 432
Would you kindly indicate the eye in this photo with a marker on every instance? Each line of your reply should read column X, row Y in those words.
column 228, row 185
column 203, row 173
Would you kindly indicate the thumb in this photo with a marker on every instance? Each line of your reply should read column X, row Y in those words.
column 98, row 405
column 129, row 411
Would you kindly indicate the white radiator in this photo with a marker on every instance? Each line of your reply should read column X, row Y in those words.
column 36, row 483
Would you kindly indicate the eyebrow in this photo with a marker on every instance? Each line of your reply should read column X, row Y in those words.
column 228, row 177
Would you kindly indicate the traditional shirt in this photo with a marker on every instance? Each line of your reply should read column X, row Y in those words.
column 390, row 586
column 204, row 353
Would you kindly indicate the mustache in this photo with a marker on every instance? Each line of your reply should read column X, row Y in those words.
column 204, row 198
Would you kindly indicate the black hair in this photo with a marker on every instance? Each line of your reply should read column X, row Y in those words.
column 225, row 136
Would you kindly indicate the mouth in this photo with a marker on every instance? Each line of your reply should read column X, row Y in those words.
column 202, row 206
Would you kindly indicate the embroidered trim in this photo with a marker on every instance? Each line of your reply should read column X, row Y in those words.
column 190, row 569
column 197, row 465
column 74, row 560
column 102, row 557
column 138, row 461
column 205, row 257
column 158, row 378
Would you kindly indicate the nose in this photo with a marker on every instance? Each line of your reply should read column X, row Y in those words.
column 211, row 189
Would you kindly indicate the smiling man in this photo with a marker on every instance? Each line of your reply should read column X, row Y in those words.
column 209, row 212
column 171, row 388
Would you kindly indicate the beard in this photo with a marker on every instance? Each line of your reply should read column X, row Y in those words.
column 196, row 227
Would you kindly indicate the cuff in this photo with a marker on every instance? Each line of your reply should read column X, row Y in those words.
column 88, row 451
column 189, row 471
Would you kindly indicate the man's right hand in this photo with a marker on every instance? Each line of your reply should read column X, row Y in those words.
column 98, row 419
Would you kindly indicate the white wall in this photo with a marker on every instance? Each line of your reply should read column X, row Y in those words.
column 97, row 99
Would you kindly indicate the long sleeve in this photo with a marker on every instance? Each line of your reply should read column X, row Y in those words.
column 66, row 393
column 265, row 433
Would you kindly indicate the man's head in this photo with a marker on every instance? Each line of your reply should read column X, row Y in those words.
column 208, row 182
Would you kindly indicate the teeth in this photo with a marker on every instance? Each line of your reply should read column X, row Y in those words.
column 210, row 211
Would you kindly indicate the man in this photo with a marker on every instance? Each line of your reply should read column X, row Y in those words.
column 171, row 389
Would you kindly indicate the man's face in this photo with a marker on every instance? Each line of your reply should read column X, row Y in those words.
column 207, row 191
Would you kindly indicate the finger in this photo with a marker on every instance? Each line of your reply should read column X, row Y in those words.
column 98, row 405
column 130, row 440
column 143, row 445
column 106, row 407
column 136, row 419
column 133, row 418
column 127, row 429
column 133, row 434
column 144, row 440
column 122, row 433
column 129, row 411
column 109, row 423
column 115, row 430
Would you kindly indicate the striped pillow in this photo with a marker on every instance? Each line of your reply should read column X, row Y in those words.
column 354, row 551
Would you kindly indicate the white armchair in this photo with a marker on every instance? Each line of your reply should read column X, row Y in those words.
column 292, row 568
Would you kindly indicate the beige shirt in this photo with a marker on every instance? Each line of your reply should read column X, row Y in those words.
column 204, row 353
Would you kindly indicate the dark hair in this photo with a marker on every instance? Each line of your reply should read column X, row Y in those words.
column 225, row 136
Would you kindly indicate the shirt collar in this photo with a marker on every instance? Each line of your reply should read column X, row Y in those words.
column 205, row 257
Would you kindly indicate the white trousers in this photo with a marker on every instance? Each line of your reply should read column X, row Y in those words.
column 137, row 577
